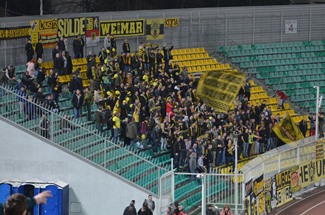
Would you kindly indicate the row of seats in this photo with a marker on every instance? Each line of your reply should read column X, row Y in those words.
column 294, row 44
column 293, row 67
column 278, row 56
column 278, row 62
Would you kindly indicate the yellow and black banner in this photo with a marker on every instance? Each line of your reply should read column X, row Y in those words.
column 123, row 28
column 283, row 187
column 71, row 27
column 172, row 22
column 258, row 190
column 268, row 195
column 218, row 89
column 45, row 29
column 155, row 29
column 287, row 130
column 320, row 149
column 14, row 33
column 295, row 179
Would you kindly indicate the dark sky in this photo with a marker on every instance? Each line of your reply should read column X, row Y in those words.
column 31, row 7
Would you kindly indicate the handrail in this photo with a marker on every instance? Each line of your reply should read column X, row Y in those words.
column 84, row 132
column 257, row 163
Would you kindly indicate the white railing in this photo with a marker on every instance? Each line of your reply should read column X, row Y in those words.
column 82, row 138
column 195, row 191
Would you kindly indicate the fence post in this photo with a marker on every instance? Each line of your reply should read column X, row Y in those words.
column 52, row 126
column 105, row 152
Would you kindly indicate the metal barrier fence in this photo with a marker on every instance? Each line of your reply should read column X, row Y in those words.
column 82, row 139
column 280, row 158
column 283, row 174
column 216, row 189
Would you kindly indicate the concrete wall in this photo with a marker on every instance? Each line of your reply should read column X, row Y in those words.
column 24, row 157
column 199, row 27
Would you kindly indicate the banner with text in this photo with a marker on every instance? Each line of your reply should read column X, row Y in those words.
column 92, row 31
column 218, row 89
column 71, row 27
column 14, row 33
column 259, row 193
column 119, row 28
column 171, row 22
column 283, row 187
column 155, row 29
column 45, row 29
column 268, row 195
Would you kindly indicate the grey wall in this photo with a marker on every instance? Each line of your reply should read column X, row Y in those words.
column 207, row 27
column 24, row 157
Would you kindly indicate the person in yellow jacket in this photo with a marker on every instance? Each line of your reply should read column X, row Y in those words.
column 116, row 126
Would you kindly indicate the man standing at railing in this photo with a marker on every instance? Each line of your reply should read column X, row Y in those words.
column 44, row 126
column 77, row 101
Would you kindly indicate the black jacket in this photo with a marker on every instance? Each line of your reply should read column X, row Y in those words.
column 77, row 103
column 39, row 48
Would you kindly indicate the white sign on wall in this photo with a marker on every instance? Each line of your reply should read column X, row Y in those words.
column 291, row 26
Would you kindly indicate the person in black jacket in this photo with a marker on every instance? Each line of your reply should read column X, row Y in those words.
column 303, row 126
column 61, row 44
column 76, row 47
column 76, row 82
column 167, row 54
column 69, row 63
column 58, row 64
column 77, row 101
column 29, row 50
column 126, row 47
column 55, row 51
column 39, row 49
column 130, row 210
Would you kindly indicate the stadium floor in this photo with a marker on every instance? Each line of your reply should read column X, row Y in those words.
column 310, row 203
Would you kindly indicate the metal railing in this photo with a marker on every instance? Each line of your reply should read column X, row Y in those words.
column 81, row 138
column 200, row 190
column 280, row 158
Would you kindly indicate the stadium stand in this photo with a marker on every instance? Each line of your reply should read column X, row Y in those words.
column 141, row 167
column 292, row 67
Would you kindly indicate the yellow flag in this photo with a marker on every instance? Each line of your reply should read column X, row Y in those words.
column 218, row 89
column 287, row 130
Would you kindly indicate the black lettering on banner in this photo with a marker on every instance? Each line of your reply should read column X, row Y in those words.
column 320, row 168
column 48, row 24
column 304, row 173
column 283, row 179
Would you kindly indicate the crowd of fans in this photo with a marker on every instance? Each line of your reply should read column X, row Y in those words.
column 147, row 101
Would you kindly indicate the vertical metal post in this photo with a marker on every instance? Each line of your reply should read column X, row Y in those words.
column 173, row 186
column 173, row 179
column 279, row 163
column 298, row 155
column 226, row 28
column 41, row 8
column 203, row 194
column 5, row 46
column 52, row 126
column 310, row 23
column 253, row 30
column 281, row 30
column 105, row 153
column 236, row 175
column 136, row 45
column 317, row 111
